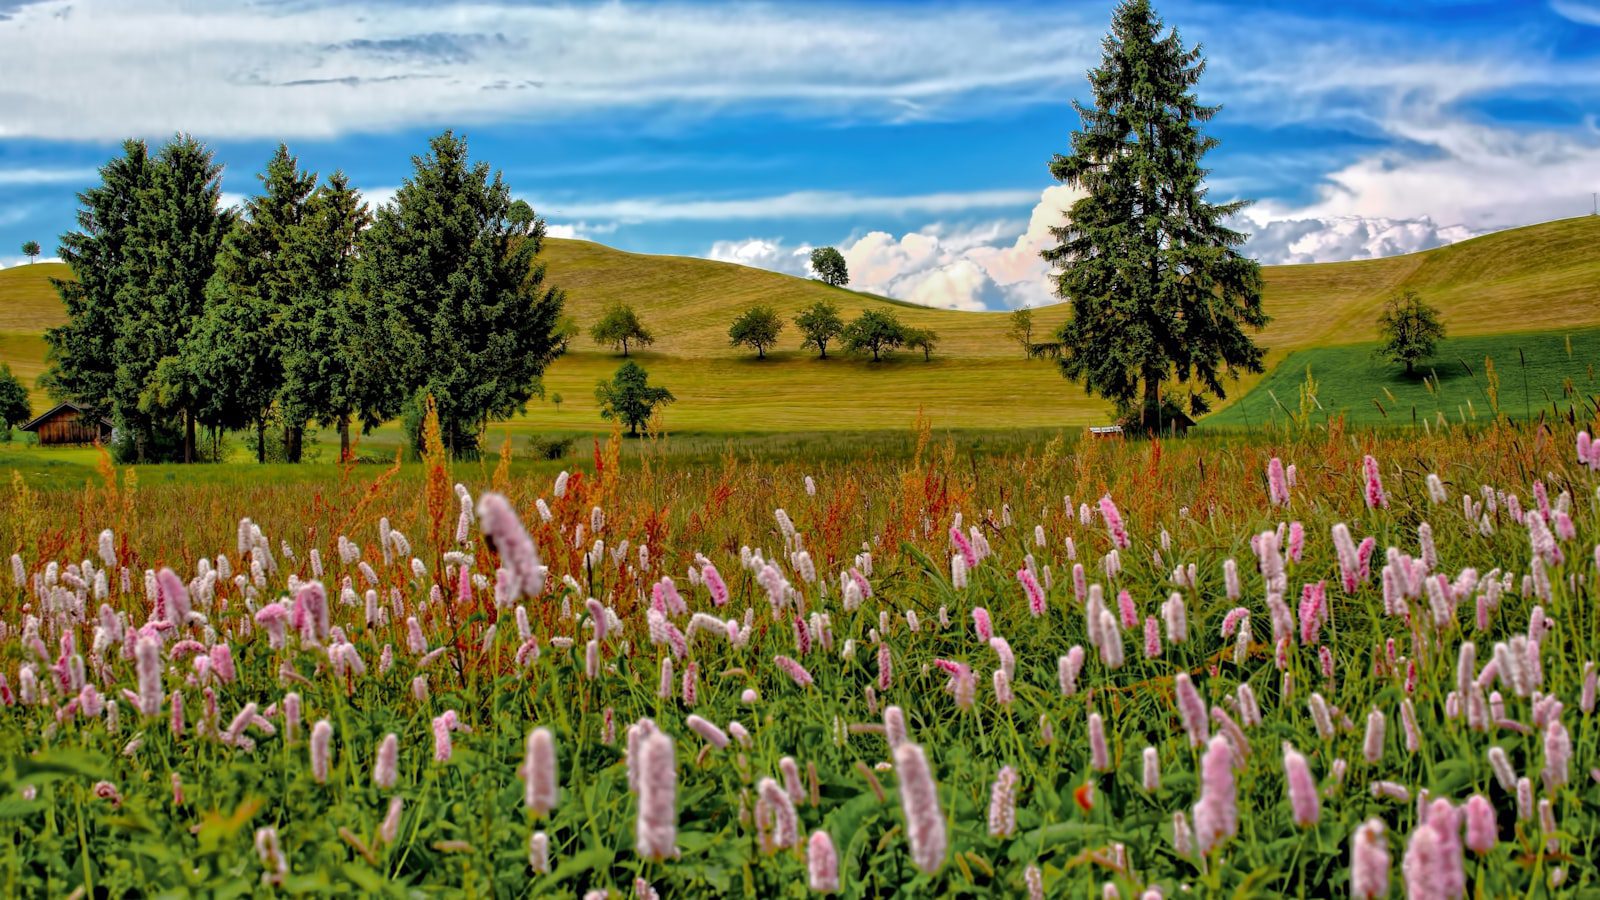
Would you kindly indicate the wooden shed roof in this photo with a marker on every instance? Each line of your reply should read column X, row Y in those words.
column 56, row 410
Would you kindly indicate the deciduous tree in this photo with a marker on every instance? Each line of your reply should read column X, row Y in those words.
column 924, row 339
column 15, row 408
column 1021, row 329
column 30, row 249
column 820, row 323
column 875, row 331
column 758, row 328
column 630, row 398
column 1411, row 329
column 619, row 327
column 830, row 267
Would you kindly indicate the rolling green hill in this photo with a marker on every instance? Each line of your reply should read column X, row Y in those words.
column 1540, row 278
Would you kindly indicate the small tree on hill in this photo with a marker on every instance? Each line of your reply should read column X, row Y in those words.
column 30, row 249
column 14, row 407
column 924, row 339
column 566, row 329
column 1411, row 329
column 874, row 331
column 758, row 328
column 619, row 327
column 556, row 399
column 629, row 398
column 829, row 265
column 1021, row 329
column 820, row 323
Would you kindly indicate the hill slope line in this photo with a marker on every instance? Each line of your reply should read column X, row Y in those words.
column 1541, row 277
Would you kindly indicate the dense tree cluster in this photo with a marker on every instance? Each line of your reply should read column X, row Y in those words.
column 302, row 306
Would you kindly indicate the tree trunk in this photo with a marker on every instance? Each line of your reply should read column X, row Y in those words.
column 293, row 442
column 344, row 438
column 1150, row 418
column 261, row 440
column 188, row 436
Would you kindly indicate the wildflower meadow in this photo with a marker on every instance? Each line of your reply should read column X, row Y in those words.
column 1321, row 663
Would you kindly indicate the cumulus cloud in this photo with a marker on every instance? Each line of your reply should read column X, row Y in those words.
column 103, row 69
column 988, row 265
column 1340, row 238
column 761, row 253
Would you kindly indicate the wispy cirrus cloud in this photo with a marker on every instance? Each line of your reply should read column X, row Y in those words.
column 99, row 69
column 29, row 177
column 1582, row 13
column 793, row 205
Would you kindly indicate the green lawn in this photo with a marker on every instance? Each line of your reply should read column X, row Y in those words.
column 1539, row 372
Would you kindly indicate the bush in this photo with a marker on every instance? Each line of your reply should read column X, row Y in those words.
column 544, row 447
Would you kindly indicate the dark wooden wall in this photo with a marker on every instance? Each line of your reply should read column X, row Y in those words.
column 68, row 427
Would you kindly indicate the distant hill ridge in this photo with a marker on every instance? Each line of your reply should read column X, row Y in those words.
column 1540, row 277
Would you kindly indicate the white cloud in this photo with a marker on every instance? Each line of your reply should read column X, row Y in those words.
column 1582, row 13
column 1339, row 238
column 761, row 253
column 103, row 69
column 984, row 266
column 27, row 177
column 582, row 231
column 795, row 205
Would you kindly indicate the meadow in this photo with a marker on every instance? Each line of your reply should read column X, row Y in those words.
column 1308, row 663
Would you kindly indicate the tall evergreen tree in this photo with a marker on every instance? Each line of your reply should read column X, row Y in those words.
column 452, row 301
column 321, row 363
column 236, row 350
column 81, row 351
column 174, row 252
column 1159, row 291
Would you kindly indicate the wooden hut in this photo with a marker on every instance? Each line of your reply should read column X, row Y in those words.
column 69, row 423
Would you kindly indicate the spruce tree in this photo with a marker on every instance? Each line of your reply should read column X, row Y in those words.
column 452, row 301
column 321, row 365
column 174, row 253
column 236, row 351
column 81, row 351
column 1158, row 288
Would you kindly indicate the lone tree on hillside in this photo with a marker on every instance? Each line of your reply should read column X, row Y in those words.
column 1158, row 288
column 1021, row 329
column 924, row 339
column 14, row 406
column 820, row 323
column 874, row 331
column 1411, row 329
column 829, row 265
column 756, row 327
column 566, row 329
column 30, row 249
column 629, row 398
column 618, row 327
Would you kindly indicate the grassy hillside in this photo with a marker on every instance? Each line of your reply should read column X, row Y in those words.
column 1543, row 277
column 1542, row 371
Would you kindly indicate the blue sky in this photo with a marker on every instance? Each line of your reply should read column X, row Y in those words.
column 912, row 135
